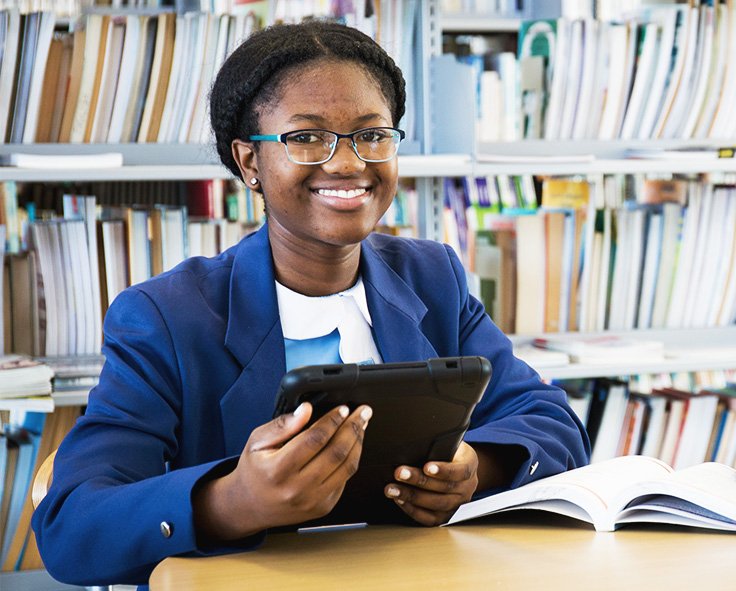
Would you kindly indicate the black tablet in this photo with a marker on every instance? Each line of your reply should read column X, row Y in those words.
column 421, row 411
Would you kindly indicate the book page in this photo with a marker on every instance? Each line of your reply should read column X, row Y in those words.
column 711, row 486
column 594, row 488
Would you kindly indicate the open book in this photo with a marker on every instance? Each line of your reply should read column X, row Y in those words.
column 626, row 489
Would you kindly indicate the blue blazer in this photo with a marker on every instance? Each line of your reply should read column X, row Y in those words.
column 193, row 361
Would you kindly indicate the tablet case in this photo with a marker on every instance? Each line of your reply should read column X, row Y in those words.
column 421, row 411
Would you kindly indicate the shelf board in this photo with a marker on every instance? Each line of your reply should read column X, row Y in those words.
column 691, row 346
column 436, row 165
column 478, row 24
column 567, row 157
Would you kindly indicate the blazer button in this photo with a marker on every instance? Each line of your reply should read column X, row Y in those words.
column 166, row 529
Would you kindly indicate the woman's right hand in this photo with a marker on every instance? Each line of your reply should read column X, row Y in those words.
column 285, row 475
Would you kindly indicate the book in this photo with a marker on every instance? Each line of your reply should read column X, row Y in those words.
column 625, row 490
column 10, row 58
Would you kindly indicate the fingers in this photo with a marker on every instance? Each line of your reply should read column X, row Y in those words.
column 276, row 433
column 339, row 460
column 432, row 494
column 328, row 442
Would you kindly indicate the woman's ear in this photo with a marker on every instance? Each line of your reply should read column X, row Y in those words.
column 245, row 157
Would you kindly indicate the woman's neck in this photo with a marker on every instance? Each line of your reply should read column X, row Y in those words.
column 314, row 269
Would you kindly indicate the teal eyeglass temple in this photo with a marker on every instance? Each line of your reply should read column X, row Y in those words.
column 284, row 137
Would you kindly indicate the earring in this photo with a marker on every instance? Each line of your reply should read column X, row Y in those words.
column 254, row 181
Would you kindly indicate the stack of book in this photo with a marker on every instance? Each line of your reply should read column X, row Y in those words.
column 21, row 376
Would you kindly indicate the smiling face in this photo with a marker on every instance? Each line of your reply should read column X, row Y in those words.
column 334, row 205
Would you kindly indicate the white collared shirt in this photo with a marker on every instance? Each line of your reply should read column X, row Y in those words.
column 304, row 318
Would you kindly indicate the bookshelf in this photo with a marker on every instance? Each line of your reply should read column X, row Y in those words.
column 446, row 145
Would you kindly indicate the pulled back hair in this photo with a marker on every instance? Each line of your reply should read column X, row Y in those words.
column 251, row 76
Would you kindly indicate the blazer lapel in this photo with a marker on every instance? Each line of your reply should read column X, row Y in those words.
column 255, row 339
column 396, row 311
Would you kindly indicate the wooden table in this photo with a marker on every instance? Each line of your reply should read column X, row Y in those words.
column 497, row 553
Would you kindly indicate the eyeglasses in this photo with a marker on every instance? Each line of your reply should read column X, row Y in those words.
column 317, row 146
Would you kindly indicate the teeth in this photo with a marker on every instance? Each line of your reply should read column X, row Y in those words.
column 342, row 193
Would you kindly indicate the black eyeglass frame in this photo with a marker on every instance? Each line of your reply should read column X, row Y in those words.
column 282, row 138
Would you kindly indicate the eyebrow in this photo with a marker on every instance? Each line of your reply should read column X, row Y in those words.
column 319, row 120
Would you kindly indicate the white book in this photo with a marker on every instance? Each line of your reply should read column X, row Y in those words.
column 708, row 283
column 612, row 422
column 7, row 68
column 491, row 107
column 177, row 82
column 717, row 74
column 653, row 251
column 642, row 89
column 215, row 52
column 667, row 20
column 672, row 214
column 696, row 431
column 87, row 90
column 727, row 309
column 74, row 283
column 601, row 306
column 574, row 67
column 629, row 71
column 587, row 78
column 205, row 43
column 560, row 62
column 113, row 245
column 530, row 288
column 45, row 34
column 177, row 61
column 206, row 135
column 702, row 71
column 621, row 264
column 635, row 262
column 655, row 429
column 615, row 99
column 627, row 489
column 600, row 80
column 707, row 234
column 84, row 208
column 668, row 127
column 683, row 26
column 186, row 83
column 686, row 257
column 725, row 114
column 109, row 79
column 126, row 72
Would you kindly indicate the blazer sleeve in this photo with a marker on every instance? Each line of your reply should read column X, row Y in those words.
column 518, row 408
column 100, row 522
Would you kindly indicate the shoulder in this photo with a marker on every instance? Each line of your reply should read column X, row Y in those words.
column 196, row 282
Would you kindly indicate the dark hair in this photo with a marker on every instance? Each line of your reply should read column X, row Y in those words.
column 254, row 71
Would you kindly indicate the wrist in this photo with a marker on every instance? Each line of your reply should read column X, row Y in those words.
column 219, row 513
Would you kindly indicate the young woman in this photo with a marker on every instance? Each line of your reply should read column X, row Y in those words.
column 177, row 452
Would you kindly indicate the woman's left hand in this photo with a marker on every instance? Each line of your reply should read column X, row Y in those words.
column 431, row 495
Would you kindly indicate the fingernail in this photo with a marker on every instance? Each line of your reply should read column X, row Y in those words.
column 366, row 413
column 344, row 411
column 300, row 410
column 404, row 474
column 433, row 469
column 398, row 501
column 393, row 491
